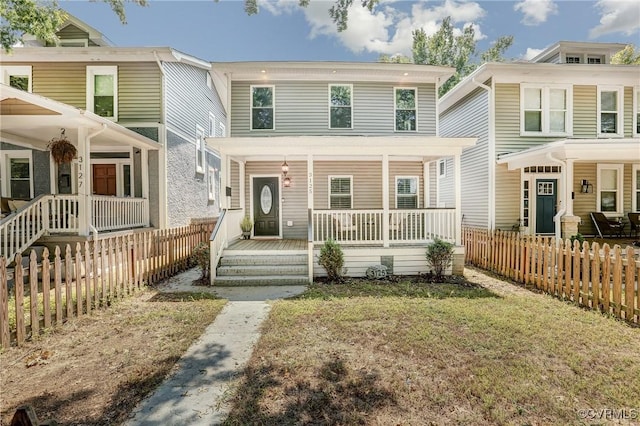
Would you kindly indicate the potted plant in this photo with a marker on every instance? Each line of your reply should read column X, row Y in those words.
column 61, row 149
column 246, row 225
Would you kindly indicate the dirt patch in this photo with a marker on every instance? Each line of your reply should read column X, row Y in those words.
column 94, row 370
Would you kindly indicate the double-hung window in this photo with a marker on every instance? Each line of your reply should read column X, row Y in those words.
column 340, row 106
column 262, row 107
column 102, row 91
column 609, row 197
column 406, row 192
column 212, row 125
column 200, row 150
column 636, row 111
column 340, row 192
column 545, row 110
column 211, row 184
column 610, row 111
column 18, row 178
column 635, row 195
column 406, row 108
column 18, row 76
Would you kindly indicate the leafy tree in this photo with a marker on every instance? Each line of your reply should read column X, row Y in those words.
column 627, row 56
column 41, row 19
column 444, row 48
column 395, row 59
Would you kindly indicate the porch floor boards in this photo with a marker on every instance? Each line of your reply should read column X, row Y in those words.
column 268, row 245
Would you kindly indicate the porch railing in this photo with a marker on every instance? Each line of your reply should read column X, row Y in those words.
column 111, row 213
column 22, row 228
column 227, row 229
column 405, row 226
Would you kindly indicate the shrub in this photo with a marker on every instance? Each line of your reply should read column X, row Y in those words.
column 578, row 237
column 439, row 256
column 332, row 260
column 202, row 259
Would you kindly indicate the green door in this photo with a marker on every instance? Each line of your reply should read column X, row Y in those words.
column 266, row 215
column 546, row 199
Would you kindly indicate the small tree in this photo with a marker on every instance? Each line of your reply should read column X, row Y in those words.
column 202, row 258
column 332, row 260
column 439, row 256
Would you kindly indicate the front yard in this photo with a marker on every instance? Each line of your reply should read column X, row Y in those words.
column 364, row 355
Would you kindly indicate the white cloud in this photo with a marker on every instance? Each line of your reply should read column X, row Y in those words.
column 387, row 29
column 531, row 53
column 536, row 11
column 617, row 16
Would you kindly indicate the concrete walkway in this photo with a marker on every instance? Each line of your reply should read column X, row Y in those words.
column 195, row 393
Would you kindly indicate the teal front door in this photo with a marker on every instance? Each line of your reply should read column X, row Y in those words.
column 546, row 199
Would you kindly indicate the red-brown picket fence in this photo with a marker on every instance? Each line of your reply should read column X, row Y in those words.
column 595, row 277
column 74, row 282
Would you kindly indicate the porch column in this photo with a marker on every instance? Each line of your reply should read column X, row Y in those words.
column 458, row 201
column 84, row 182
column 385, row 200
column 568, row 223
column 242, row 183
column 144, row 175
column 568, row 187
column 224, row 180
column 310, row 217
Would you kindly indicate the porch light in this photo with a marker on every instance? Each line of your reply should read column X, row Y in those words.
column 286, row 181
column 285, row 167
column 586, row 187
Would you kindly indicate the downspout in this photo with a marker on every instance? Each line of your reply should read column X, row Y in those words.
column 556, row 218
column 491, row 154
column 163, row 136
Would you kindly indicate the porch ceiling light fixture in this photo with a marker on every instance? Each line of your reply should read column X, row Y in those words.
column 286, row 181
column 586, row 187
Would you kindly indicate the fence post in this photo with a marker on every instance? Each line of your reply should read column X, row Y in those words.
column 19, row 285
column 33, row 294
column 46, row 287
column 4, row 304
column 617, row 281
column 79, row 307
column 606, row 278
column 629, row 284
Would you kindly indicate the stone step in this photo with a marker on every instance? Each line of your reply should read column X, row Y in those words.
column 261, row 270
column 298, row 259
column 275, row 280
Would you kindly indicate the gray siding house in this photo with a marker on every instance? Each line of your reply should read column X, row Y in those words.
column 138, row 118
column 558, row 138
column 321, row 150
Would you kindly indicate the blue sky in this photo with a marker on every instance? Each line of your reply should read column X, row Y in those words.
column 221, row 31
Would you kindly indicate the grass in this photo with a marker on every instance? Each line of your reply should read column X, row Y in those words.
column 408, row 353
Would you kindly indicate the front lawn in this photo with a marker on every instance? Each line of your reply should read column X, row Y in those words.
column 364, row 353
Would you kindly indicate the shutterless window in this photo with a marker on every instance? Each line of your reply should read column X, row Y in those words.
column 200, row 151
column 610, row 188
column 18, row 77
column 406, row 109
column 102, row 89
column 211, row 184
column 442, row 168
column 610, row 111
column 573, row 59
column 636, row 113
column 262, row 107
column 340, row 192
column 545, row 110
column 635, row 200
column 20, row 178
column 407, row 192
column 594, row 60
column 340, row 106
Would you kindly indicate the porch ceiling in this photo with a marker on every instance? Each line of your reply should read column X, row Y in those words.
column 340, row 146
column 583, row 150
column 31, row 120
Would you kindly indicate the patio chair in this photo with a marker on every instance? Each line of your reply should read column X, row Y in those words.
column 604, row 225
column 343, row 223
column 634, row 222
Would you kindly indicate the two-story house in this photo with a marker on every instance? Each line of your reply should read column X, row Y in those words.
column 558, row 138
column 320, row 150
column 138, row 117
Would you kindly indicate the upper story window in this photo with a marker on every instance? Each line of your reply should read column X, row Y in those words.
column 635, row 194
column 102, row 91
column 200, row 150
column 262, row 109
column 610, row 111
column 340, row 106
column 609, row 196
column 595, row 60
column 223, row 130
column 406, row 108
column 636, row 111
column 17, row 76
column 212, row 125
column 572, row 59
column 340, row 192
column 545, row 110
column 442, row 168
column 73, row 42
column 406, row 192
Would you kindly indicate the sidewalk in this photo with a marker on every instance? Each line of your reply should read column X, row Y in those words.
column 195, row 393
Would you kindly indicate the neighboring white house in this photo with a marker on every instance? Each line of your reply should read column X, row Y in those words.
column 558, row 138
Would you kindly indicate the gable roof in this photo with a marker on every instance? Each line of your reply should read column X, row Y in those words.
column 95, row 36
column 577, row 47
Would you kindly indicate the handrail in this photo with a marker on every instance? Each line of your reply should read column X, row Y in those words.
column 26, row 206
column 22, row 228
column 218, row 224
column 217, row 242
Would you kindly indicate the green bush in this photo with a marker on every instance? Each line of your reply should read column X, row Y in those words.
column 202, row 259
column 439, row 256
column 332, row 260
column 578, row 237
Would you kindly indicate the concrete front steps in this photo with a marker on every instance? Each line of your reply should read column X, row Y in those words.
column 252, row 268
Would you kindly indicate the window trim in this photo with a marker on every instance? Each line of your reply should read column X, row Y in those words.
column 94, row 70
column 273, row 106
column 5, row 179
column 119, row 163
column 636, row 111
column 329, row 178
column 620, row 111
column 395, row 108
column 635, row 170
column 200, row 150
column 211, row 183
column 619, row 190
column 350, row 86
column 442, row 171
column 223, row 130
column 16, row 70
column 546, row 109
column 417, row 194
column 212, row 125
column 73, row 42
